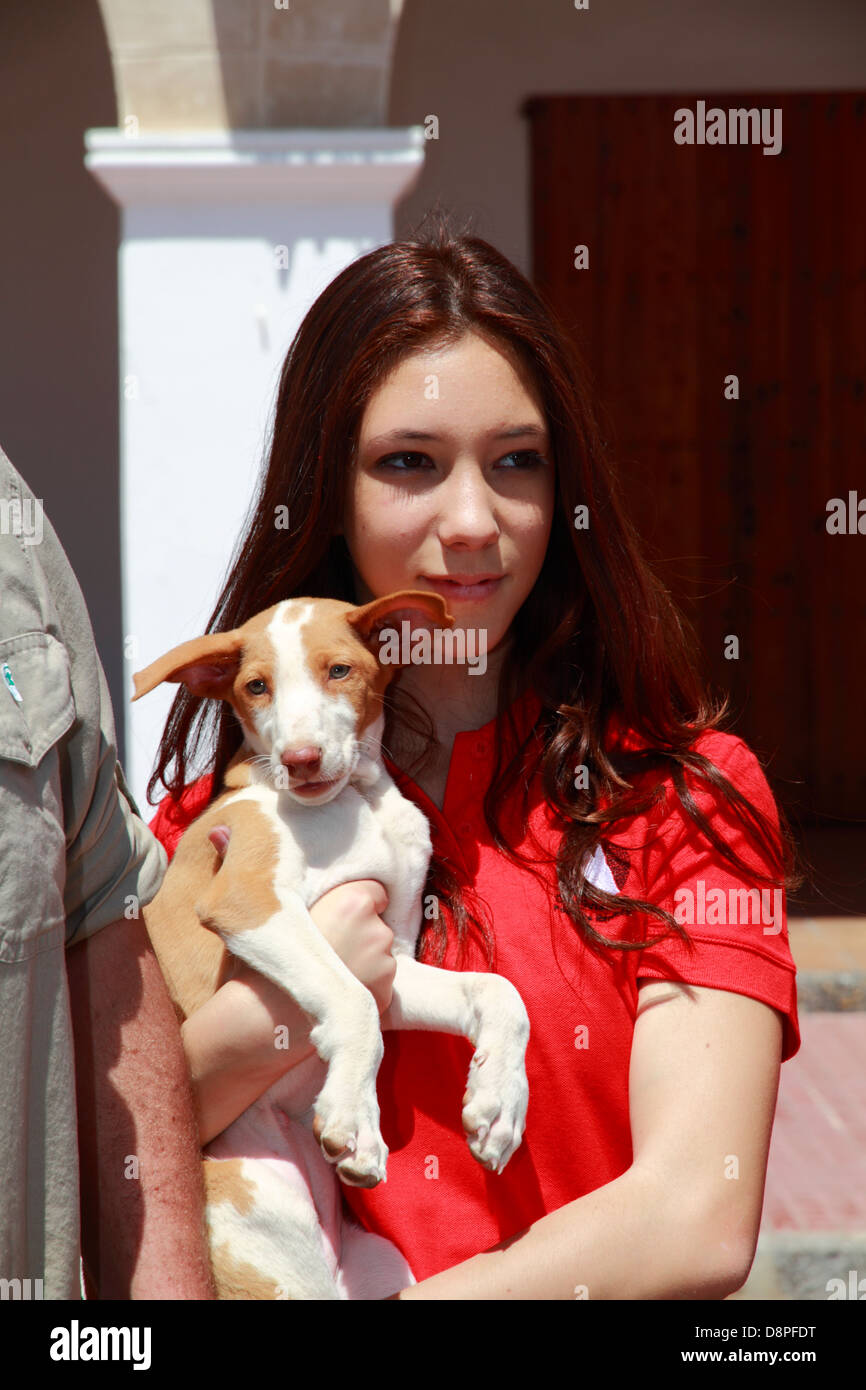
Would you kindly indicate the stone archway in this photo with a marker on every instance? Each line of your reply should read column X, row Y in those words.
column 247, row 65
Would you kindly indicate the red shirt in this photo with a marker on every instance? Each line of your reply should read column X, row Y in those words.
column 438, row 1204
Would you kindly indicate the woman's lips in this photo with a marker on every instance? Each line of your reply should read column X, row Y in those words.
column 481, row 589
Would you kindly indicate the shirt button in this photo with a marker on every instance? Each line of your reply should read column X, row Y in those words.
column 465, row 828
column 480, row 746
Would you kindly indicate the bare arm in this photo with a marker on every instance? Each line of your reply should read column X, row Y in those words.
column 231, row 1041
column 682, row 1222
column 142, row 1198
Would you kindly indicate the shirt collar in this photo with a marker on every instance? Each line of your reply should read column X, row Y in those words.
column 524, row 711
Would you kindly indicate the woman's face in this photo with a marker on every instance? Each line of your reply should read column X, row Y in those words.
column 453, row 489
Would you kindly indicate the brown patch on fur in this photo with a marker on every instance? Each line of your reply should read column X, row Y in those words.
column 241, row 896
column 225, row 1182
column 236, row 1279
column 236, row 892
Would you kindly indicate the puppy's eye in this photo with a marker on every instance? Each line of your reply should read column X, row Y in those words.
column 339, row 672
column 257, row 687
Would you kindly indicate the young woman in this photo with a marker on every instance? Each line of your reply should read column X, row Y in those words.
column 597, row 839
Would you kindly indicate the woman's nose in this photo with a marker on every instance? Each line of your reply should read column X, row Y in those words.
column 467, row 511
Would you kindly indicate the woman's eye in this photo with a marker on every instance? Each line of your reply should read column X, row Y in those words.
column 529, row 458
column 257, row 687
column 389, row 459
column 337, row 673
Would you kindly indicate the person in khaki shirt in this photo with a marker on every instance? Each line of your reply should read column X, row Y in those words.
column 96, row 1113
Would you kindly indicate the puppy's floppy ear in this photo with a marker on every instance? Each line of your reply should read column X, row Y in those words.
column 418, row 607
column 205, row 665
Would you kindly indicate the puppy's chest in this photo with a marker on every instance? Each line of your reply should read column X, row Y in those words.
column 319, row 847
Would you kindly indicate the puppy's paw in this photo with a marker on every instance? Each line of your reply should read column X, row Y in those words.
column 354, row 1145
column 494, row 1111
column 366, row 1167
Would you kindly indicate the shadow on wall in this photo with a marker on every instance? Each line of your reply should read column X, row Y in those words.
column 58, row 285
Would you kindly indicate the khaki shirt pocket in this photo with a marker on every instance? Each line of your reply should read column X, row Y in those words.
column 36, row 711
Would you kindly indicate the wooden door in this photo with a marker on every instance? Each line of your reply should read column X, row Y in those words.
column 713, row 260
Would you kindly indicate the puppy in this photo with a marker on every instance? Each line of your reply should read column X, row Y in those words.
column 307, row 804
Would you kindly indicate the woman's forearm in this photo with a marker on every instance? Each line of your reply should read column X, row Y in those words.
column 239, row 1043
column 627, row 1240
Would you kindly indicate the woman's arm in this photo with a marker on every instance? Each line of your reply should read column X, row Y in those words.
column 682, row 1222
column 231, row 1041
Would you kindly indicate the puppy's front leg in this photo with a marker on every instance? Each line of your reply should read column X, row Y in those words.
column 275, row 935
column 488, row 1010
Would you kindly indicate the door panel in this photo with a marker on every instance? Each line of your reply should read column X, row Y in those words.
column 706, row 261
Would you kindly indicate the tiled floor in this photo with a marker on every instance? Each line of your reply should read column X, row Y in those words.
column 816, row 1179
column 813, row 1227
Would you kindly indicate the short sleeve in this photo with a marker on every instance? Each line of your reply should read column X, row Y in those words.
column 737, row 926
column 104, row 860
column 114, row 864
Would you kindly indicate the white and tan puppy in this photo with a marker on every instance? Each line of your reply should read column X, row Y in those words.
column 309, row 805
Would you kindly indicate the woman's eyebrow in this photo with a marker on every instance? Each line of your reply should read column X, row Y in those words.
column 514, row 432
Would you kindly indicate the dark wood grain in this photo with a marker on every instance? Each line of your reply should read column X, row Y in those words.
column 706, row 261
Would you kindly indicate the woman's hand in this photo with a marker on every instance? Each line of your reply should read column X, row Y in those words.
column 349, row 919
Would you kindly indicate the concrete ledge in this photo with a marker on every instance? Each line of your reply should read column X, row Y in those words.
column 826, row 991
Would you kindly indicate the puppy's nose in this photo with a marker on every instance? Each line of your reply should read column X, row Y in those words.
column 303, row 762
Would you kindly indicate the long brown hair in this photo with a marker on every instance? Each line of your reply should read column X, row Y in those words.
column 598, row 635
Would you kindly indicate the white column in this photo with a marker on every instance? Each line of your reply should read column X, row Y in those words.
column 208, row 308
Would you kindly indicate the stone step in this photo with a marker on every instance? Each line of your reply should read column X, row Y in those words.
column 814, row 1265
